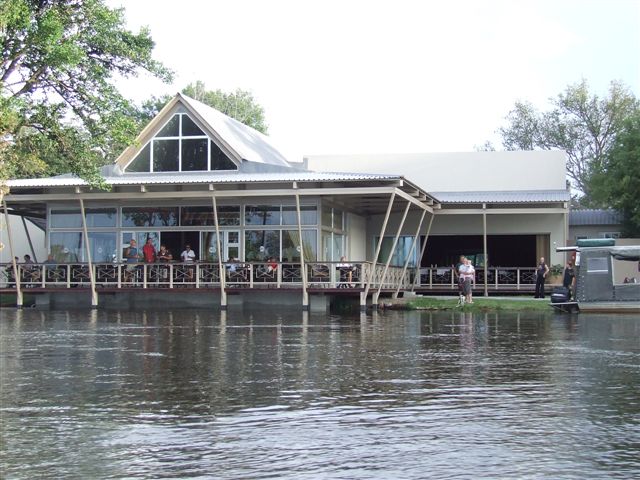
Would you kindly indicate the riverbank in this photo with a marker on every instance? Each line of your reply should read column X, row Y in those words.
column 480, row 304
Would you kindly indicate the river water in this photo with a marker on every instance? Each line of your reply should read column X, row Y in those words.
column 393, row 395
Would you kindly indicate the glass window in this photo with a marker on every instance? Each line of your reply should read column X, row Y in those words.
column 291, row 245
column 327, row 217
column 100, row 217
column 194, row 154
column 598, row 265
column 338, row 219
column 189, row 127
column 308, row 215
column 400, row 253
column 259, row 245
column 171, row 127
column 196, row 216
column 219, row 161
column 262, row 215
column 338, row 247
column 66, row 247
column 103, row 246
column 66, row 218
column 229, row 215
column 165, row 155
column 149, row 217
column 209, row 246
column 142, row 161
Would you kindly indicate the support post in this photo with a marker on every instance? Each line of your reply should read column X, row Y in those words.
column 223, row 283
column 363, row 295
column 422, row 250
column 16, row 273
column 416, row 239
column 374, row 301
column 305, row 293
column 484, row 246
column 92, row 277
column 26, row 232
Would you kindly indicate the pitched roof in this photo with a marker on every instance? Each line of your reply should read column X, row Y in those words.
column 594, row 217
column 247, row 142
column 519, row 196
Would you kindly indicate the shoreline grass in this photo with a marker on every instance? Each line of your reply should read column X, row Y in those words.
column 479, row 304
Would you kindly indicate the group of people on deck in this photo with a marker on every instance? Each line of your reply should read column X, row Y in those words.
column 150, row 255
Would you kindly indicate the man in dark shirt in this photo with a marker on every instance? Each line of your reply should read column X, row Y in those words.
column 541, row 275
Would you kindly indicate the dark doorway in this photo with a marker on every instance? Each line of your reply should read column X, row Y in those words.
column 503, row 250
column 175, row 242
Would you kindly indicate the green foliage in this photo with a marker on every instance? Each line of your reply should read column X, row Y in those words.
column 582, row 124
column 239, row 105
column 617, row 183
column 59, row 111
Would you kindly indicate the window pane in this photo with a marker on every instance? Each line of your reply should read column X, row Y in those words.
column 262, row 215
column 195, row 216
column 165, row 155
column 209, row 247
column 100, row 217
column 147, row 217
column 189, row 128
column 171, row 128
column 337, row 219
column 259, row 245
column 103, row 246
column 291, row 245
column 219, row 161
column 141, row 162
column 338, row 246
column 66, row 247
column 229, row 215
column 326, row 217
column 194, row 154
column 308, row 215
column 66, row 218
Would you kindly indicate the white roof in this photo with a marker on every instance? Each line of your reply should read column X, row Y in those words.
column 247, row 142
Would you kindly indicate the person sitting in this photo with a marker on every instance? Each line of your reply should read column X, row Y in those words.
column 30, row 271
column 346, row 273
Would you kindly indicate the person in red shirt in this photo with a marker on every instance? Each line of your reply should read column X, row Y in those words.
column 149, row 251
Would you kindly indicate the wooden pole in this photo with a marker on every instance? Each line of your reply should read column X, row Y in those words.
column 16, row 273
column 486, row 257
column 92, row 277
column 223, row 283
column 305, row 293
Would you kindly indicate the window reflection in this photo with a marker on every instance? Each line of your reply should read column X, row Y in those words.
column 261, row 244
column 148, row 217
column 262, row 215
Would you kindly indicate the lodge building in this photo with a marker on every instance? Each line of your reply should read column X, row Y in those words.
column 270, row 230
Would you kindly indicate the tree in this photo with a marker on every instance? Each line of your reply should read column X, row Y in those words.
column 239, row 105
column 617, row 184
column 582, row 124
column 59, row 111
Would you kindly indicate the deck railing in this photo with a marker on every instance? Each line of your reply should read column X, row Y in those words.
column 255, row 275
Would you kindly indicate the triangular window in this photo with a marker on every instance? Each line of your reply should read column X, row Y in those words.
column 180, row 146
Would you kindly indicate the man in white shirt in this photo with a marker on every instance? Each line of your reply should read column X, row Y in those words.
column 188, row 256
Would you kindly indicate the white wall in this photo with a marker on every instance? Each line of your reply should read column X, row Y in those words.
column 464, row 171
column 20, row 240
column 357, row 237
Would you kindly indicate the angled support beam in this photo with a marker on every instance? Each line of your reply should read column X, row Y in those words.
column 363, row 295
column 374, row 300
column 26, row 231
column 484, row 246
column 223, row 282
column 416, row 239
column 422, row 250
column 305, row 293
column 87, row 247
column 16, row 274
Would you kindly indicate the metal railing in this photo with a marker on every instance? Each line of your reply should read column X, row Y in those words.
column 256, row 275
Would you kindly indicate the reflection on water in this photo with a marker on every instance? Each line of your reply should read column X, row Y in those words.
column 271, row 395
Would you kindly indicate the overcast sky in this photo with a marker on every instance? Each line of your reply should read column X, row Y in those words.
column 389, row 77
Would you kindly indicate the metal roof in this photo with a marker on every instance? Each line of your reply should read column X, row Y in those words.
column 594, row 217
column 182, row 178
column 247, row 142
column 518, row 196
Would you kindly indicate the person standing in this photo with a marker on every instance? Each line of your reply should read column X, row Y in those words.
column 188, row 256
column 149, row 251
column 541, row 274
column 568, row 278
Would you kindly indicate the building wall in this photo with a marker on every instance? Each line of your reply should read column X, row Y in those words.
column 591, row 231
column 20, row 240
column 552, row 224
column 357, row 237
column 462, row 171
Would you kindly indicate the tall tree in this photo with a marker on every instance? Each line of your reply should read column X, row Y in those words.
column 239, row 104
column 580, row 123
column 617, row 184
column 59, row 110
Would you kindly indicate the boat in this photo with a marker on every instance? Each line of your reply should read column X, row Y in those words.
column 598, row 288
